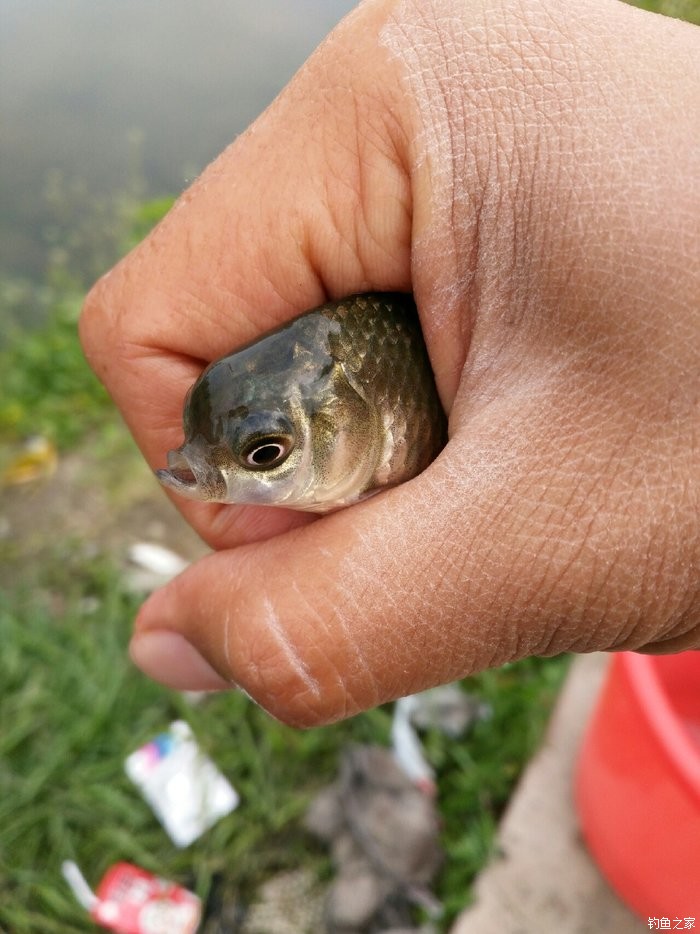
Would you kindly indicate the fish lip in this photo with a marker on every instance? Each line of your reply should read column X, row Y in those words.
column 191, row 475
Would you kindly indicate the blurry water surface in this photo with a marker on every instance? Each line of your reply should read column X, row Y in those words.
column 103, row 96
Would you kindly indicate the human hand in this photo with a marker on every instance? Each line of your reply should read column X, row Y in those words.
column 529, row 171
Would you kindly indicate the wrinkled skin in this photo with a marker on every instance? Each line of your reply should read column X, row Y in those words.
column 535, row 182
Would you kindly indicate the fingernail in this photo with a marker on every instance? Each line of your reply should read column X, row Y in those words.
column 170, row 659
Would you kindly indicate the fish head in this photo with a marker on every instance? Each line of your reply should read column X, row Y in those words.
column 274, row 425
column 244, row 463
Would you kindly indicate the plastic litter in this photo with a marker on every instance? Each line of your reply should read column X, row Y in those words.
column 185, row 790
column 157, row 559
column 152, row 565
column 448, row 709
column 130, row 900
column 36, row 460
column 408, row 749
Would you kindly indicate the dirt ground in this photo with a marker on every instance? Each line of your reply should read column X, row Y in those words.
column 107, row 503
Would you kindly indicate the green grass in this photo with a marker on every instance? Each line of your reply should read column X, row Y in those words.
column 73, row 709
column 679, row 9
column 46, row 387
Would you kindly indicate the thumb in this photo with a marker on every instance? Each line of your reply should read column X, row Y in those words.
column 398, row 593
column 315, row 624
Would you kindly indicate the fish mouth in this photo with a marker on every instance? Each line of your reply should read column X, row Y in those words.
column 191, row 475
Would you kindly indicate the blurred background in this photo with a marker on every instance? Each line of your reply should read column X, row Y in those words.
column 107, row 112
column 100, row 102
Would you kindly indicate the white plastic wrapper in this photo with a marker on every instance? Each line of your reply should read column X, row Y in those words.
column 186, row 791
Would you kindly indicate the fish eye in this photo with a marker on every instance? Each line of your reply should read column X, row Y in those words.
column 266, row 453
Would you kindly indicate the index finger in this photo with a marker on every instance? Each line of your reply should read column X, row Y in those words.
column 312, row 202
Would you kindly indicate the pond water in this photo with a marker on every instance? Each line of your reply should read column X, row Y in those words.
column 103, row 97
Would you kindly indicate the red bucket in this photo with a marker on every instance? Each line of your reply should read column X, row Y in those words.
column 638, row 783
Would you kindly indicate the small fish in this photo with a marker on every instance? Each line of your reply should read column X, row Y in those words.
column 325, row 411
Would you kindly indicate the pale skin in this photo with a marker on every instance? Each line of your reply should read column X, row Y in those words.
column 531, row 172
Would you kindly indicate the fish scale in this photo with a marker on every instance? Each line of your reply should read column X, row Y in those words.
column 316, row 415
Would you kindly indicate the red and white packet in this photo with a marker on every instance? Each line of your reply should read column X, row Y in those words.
column 130, row 900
